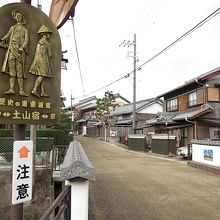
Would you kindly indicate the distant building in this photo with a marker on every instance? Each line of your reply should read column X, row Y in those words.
column 145, row 109
column 84, row 113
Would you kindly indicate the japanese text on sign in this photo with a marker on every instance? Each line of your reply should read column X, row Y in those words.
column 22, row 172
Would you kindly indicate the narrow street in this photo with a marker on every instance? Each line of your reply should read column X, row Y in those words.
column 132, row 185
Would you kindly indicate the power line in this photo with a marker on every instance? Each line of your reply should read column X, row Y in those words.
column 77, row 54
column 201, row 23
column 212, row 15
column 117, row 80
column 150, row 16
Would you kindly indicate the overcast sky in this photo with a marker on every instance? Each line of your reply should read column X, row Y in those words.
column 100, row 27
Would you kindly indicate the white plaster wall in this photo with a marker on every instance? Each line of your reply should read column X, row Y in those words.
column 163, row 136
column 198, row 154
column 84, row 130
column 152, row 109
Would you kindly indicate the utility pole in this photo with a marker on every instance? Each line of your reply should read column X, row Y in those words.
column 128, row 44
column 134, row 87
column 72, row 117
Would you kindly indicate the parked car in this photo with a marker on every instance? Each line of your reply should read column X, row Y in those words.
column 183, row 151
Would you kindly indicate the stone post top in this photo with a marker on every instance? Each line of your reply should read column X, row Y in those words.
column 76, row 164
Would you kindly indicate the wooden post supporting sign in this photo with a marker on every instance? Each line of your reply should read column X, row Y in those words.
column 17, row 210
column 30, row 82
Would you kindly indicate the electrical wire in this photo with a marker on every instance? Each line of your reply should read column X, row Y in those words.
column 143, row 16
column 201, row 23
column 77, row 54
column 212, row 15
column 149, row 18
column 117, row 80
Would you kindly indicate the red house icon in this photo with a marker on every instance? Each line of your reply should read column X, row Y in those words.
column 23, row 152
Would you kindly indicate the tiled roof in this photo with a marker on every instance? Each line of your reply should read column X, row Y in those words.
column 118, row 96
column 162, row 118
column 172, row 117
column 196, row 79
column 91, row 105
column 93, row 99
column 206, row 142
column 84, row 101
column 203, row 75
column 128, row 108
column 127, row 121
column 193, row 113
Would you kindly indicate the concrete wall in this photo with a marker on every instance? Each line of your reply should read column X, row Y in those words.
column 44, row 193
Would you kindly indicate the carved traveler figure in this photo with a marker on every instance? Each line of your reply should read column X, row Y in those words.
column 41, row 65
column 16, row 40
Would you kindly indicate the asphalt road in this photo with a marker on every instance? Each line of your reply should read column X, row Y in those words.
column 135, row 186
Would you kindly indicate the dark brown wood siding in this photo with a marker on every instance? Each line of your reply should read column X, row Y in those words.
column 165, row 106
column 200, row 96
column 213, row 94
column 183, row 102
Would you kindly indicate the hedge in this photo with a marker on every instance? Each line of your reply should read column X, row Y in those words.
column 6, row 132
column 60, row 138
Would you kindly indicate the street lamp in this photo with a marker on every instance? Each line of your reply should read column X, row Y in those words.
column 64, row 61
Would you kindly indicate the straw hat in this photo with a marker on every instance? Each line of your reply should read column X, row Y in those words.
column 44, row 29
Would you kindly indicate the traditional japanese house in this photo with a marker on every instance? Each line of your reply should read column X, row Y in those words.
column 191, row 111
column 145, row 109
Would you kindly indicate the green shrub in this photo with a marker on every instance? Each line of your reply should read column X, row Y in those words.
column 6, row 132
column 60, row 138
column 58, row 135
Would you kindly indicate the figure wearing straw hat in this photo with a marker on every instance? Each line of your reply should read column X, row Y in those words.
column 41, row 65
column 16, row 42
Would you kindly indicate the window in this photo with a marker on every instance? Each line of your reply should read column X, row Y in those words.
column 214, row 132
column 192, row 99
column 172, row 105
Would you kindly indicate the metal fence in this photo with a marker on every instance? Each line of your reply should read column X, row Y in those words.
column 6, row 148
column 47, row 154
column 58, row 154
column 60, row 207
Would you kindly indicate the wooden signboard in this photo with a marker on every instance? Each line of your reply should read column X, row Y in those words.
column 30, row 66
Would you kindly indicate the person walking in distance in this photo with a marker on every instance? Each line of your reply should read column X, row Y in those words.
column 16, row 42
